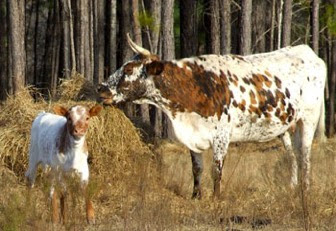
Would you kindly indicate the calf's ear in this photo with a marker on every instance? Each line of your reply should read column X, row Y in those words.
column 154, row 68
column 95, row 110
column 59, row 110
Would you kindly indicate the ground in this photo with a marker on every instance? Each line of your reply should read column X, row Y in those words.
column 157, row 196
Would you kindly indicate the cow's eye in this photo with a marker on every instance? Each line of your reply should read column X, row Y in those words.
column 128, row 70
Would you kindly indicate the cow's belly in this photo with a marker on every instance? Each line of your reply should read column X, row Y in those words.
column 193, row 131
column 260, row 132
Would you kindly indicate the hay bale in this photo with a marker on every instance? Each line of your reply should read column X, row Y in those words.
column 16, row 115
column 113, row 141
column 76, row 88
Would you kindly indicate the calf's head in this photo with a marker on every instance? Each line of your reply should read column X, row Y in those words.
column 132, row 81
column 77, row 118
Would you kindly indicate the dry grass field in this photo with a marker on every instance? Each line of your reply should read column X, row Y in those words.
column 148, row 186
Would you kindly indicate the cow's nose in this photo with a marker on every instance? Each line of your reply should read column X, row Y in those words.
column 101, row 88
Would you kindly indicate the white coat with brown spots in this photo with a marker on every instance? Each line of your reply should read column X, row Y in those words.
column 58, row 141
column 213, row 100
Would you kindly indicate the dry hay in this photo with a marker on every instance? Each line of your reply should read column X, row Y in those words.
column 114, row 143
column 76, row 88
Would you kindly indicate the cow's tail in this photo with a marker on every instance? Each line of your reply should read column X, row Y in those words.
column 320, row 129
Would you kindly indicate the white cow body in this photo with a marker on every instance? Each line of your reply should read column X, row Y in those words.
column 46, row 134
column 213, row 100
column 58, row 142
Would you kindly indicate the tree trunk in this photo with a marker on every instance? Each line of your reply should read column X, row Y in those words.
column 168, row 50
column 3, row 51
column 225, row 26
column 151, row 42
column 280, row 17
column 17, row 45
column 99, row 40
column 66, row 37
column 273, row 16
column 154, row 7
column 89, row 53
column 188, row 26
column 315, row 5
column 55, row 48
column 332, row 80
column 259, row 26
column 245, row 27
column 213, row 27
column 287, row 22
column 112, row 31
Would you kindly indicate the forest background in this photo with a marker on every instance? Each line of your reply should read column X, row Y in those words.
column 45, row 41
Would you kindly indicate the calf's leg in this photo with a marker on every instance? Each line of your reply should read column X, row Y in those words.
column 90, row 216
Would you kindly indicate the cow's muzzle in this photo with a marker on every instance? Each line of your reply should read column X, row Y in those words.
column 105, row 95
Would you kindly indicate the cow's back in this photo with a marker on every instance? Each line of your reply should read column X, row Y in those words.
column 45, row 135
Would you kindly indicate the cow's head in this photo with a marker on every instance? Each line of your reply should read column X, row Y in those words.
column 132, row 81
column 77, row 118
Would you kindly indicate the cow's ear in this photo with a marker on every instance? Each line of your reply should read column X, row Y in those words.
column 154, row 68
column 59, row 110
column 95, row 110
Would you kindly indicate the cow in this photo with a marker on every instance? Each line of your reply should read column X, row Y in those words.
column 213, row 100
column 58, row 141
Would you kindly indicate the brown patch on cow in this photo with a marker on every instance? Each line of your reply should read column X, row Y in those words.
column 268, row 83
column 242, row 105
column 241, row 58
column 257, row 82
column 128, row 68
column 199, row 94
column 267, row 115
column 61, row 142
column 277, row 112
column 270, row 98
column 287, row 93
column 279, row 95
column 268, row 74
column 261, row 94
column 234, row 103
column 277, row 82
column 246, row 80
column 255, row 110
column 283, row 118
column 252, row 97
column 242, row 89
column 290, row 109
column 270, row 108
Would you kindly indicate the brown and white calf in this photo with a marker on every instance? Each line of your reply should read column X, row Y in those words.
column 58, row 141
column 213, row 100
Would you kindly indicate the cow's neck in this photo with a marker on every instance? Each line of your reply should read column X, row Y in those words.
column 68, row 144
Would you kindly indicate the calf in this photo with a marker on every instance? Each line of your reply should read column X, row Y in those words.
column 213, row 100
column 58, row 141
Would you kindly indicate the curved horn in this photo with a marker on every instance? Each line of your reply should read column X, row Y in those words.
column 136, row 48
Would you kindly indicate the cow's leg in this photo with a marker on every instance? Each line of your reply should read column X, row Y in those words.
column 307, row 140
column 286, row 140
column 63, row 204
column 54, row 206
column 197, row 169
column 32, row 168
column 220, row 146
column 90, row 216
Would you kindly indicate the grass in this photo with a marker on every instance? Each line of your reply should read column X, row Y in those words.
column 139, row 186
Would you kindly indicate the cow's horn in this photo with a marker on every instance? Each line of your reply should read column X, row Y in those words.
column 136, row 48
